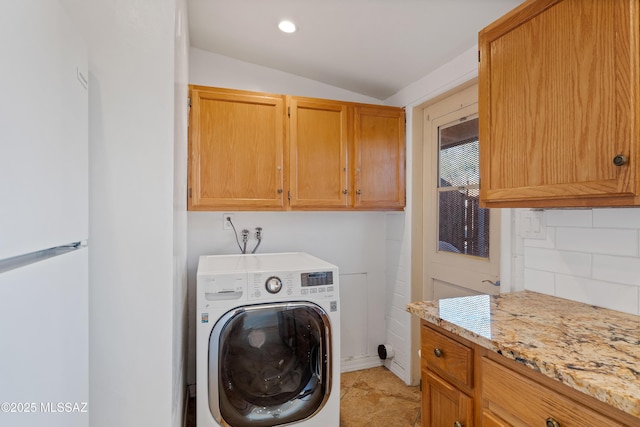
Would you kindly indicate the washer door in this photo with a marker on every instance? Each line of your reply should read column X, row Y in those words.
column 270, row 364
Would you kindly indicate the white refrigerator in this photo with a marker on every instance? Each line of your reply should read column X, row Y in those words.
column 43, row 217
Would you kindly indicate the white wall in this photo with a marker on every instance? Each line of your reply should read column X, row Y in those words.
column 209, row 69
column 180, row 153
column 354, row 241
column 136, row 234
column 587, row 255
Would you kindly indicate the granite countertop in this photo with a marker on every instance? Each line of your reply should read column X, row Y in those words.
column 593, row 350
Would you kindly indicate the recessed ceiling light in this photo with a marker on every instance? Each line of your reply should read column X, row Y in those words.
column 287, row 26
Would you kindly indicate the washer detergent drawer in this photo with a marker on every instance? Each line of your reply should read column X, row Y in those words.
column 223, row 287
column 270, row 364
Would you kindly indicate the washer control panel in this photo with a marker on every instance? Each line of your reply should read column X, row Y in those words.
column 291, row 284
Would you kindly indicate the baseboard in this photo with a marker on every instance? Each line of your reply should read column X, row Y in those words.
column 398, row 370
column 350, row 364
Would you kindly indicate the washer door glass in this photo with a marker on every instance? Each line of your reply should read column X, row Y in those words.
column 272, row 363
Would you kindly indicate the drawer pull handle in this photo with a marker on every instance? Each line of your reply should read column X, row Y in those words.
column 438, row 353
column 552, row 423
column 458, row 424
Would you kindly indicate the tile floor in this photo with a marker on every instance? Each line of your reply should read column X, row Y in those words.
column 378, row 398
column 368, row 398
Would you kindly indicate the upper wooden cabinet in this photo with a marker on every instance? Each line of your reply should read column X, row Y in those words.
column 258, row 151
column 318, row 153
column 236, row 146
column 559, row 105
column 345, row 155
column 379, row 162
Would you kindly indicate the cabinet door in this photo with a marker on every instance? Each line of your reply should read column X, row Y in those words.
column 379, row 167
column 235, row 150
column 443, row 404
column 558, row 101
column 317, row 153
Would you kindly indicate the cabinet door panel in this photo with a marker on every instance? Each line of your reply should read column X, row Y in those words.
column 443, row 404
column 236, row 150
column 557, row 102
column 379, row 158
column 318, row 153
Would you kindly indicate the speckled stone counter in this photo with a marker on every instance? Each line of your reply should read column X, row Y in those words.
column 591, row 349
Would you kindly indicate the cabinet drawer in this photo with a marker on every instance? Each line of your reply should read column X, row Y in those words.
column 521, row 401
column 449, row 358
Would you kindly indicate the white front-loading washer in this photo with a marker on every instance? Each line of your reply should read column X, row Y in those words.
column 267, row 341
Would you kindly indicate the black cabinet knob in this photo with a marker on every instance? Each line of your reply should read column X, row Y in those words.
column 619, row 160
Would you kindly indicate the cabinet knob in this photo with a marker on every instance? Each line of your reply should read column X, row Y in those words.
column 344, row 191
column 437, row 352
column 359, row 192
column 620, row 160
column 457, row 424
column 552, row 423
column 279, row 190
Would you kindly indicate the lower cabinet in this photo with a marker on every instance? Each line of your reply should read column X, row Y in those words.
column 447, row 380
column 466, row 385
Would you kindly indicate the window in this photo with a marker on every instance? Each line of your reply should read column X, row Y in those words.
column 463, row 227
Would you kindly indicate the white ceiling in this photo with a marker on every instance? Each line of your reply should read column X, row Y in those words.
column 371, row 47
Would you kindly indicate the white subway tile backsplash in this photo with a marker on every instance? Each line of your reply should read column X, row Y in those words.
column 589, row 255
column 540, row 281
column 607, row 241
column 617, row 218
column 625, row 270
column 552, row 260
column 602, row 294
column 569, row 218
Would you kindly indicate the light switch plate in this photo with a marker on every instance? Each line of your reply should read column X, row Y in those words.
column 532, row 224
